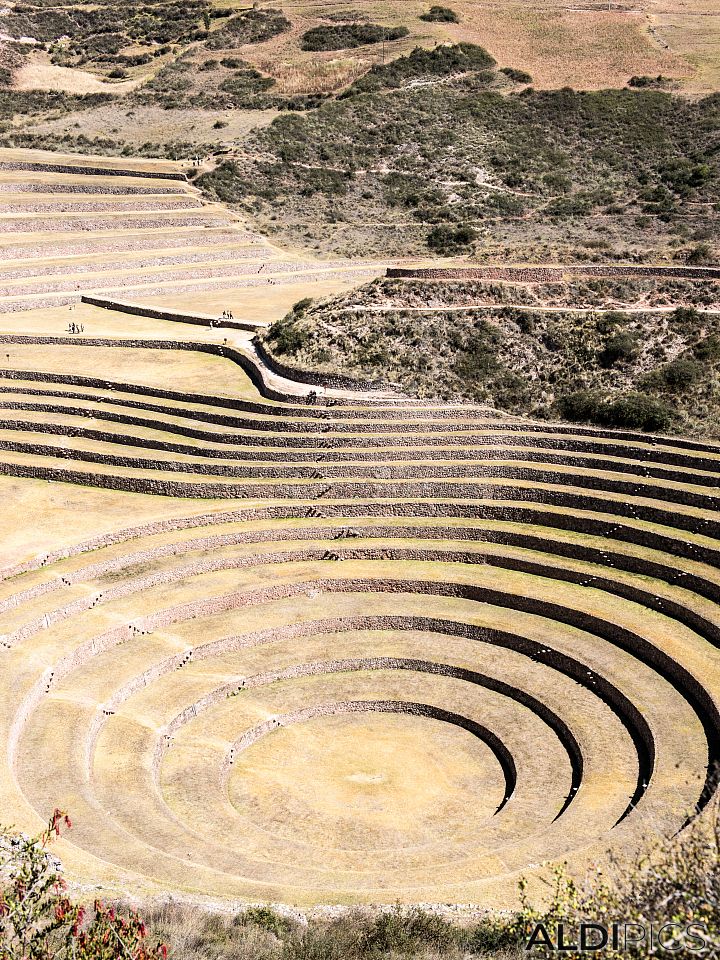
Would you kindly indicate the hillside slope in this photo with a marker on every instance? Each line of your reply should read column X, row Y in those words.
column 653, row 365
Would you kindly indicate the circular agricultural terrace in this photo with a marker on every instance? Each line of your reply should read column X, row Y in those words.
column 430, row 650
column 364, row 650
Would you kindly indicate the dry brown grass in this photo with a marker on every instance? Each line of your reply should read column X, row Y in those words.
column 586, row 46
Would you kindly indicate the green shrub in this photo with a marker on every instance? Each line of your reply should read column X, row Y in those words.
column 674, row 880
column 608, row 321
column 347, row 35
column 406, row 929
column 630, row 410
column 701, row 255
column 677, row 376
column 286, row 337
column 686, row 319
column 494, row 935
column 438, row 14
column 447, row 240
column 708, row 349
column 250, row 26
column 439, row 62
column 302, row 305
column 620, row 348
column 658, row 82
column 519, row 76
column 476, row 358
column 265, row 918
column 245, row 84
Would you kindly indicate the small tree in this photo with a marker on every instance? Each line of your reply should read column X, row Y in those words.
column 38, row 920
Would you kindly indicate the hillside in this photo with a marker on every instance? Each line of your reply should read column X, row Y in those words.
column 462, row 167
column 98, row 79
column 383, row 131
column 360, row 458
column 645, row 363
column 591, row 46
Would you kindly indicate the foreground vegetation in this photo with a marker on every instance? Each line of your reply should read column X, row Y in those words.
column 673, row 881
column 655, row 368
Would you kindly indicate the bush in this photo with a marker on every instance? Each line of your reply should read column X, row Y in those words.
column 701, row 255
column 347, row 35
column 448, row 240
column 442, row 61
column 266, row 919
column 437, row 14
column 519, row 76
column 250, row 26
column 286, row 337
column 610, row 319
column 708, row 349
column 38, row 920
column 245, row 84
column 675, row 880
column 634, row 411
column 644, row 81
column 404, row 930
column 677, row 376
column 620, row 348
column 686, row 318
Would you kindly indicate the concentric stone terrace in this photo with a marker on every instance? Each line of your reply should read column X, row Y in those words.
column 135, row 230
column 429, row 650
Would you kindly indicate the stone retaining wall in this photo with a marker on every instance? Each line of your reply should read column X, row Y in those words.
column 684, row 683
column 335, row 380
column 368, row 491
column 509, row 512
column 154, row 313
column 94, row 189
column 120, row 243
column 35, row 225
column 324, row 471
column 552, row 274
column 529, row 541
column 89, row 171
